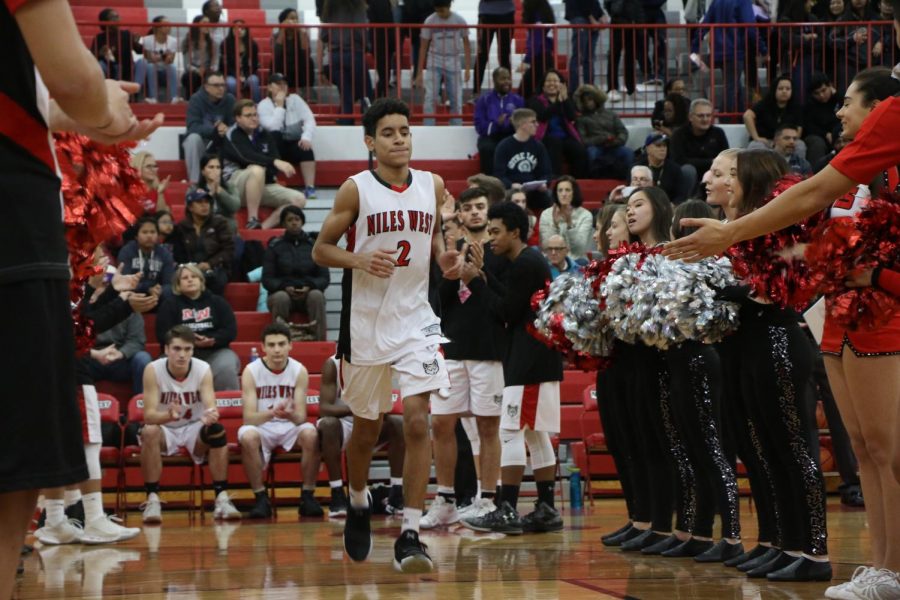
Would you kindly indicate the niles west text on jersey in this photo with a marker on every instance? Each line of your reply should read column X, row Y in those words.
column 399, row 220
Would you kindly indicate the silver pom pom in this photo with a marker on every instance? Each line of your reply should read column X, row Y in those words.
column 570, row 301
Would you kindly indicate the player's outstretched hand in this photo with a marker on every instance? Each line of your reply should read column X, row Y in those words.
column 709, row 240
column 379, row 263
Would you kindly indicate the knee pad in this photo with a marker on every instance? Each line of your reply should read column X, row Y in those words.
column 540, row 448
column 213, row 435
column 92, row 457
column 512, row 448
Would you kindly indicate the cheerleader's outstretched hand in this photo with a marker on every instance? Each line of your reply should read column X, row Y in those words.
column 711, row 239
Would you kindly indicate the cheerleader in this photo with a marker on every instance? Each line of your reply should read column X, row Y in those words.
column 695, row 393
column 775, row 368
column 659, row 452
column 612, row 399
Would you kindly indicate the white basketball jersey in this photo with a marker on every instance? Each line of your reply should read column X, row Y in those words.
column 851, row 203
column 275, row 387
column 391, row 317
column 184, row 393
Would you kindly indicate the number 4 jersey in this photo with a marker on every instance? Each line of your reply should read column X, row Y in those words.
column 183, row 393
column 384, row 319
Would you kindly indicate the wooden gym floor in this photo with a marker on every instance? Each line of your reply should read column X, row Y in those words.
column 286, row 559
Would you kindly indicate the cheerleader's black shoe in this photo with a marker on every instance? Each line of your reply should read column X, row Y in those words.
column 777, row 563
column 748, row 555
column 721, row 552
column 802, row 569
column 617, row 532
column 689, row 549
column 760, row 560
column 660, row 547
column 647, row 538
column 617, row 540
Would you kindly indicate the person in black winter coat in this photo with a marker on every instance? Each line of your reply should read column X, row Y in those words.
column 206, row 240
column 210, row 318
column 293, row 280
column 622, row 40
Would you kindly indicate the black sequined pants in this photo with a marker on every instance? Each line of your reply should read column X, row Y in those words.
column 695, row 376
column 776, row 363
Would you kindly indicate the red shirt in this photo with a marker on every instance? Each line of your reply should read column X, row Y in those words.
column 876, row 147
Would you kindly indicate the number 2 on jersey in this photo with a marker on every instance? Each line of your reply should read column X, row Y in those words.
column 403, row 258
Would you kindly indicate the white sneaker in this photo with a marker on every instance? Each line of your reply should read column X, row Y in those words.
column 152, row 509
column 881, row 585
column 848, row 589
column 440, row 512
column 478, row 508
column 613, row 96
column 64, row 532
column 225, row 509
column 104, row 530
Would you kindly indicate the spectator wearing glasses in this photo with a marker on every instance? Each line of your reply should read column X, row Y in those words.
column 251, row 162
column 148, row 169
column 210, row 112
column 556, row 249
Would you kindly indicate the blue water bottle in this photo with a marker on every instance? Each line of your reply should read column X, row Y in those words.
column 575, row 498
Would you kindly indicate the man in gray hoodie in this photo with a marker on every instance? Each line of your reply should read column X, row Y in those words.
column 210, row 112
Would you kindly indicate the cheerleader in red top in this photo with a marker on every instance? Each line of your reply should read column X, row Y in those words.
column 864, row 365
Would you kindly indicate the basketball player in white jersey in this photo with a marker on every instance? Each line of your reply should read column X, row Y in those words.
column 391, row 218
column 335, row 428
column 180, row 412
column 273, row 390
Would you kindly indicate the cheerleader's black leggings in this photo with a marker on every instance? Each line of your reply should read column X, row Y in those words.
column 695, row 395
column 775, row 366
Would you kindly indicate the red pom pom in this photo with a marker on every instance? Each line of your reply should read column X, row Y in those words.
column 102, row 198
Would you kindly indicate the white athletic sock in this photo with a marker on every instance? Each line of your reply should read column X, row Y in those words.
column 72, row 497
column 359, row 498
column 411, row 518
column 56, row 511
column 396, row 481
column 337, row 483
column 93, row 506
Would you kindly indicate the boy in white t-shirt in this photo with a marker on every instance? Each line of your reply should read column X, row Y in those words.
column 441, row 46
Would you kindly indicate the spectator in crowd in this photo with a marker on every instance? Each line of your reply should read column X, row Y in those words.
column 801, row 47
column 146, row 256
column 699, row 142
column 240, row 61
column 212, row 10
column 494, row 187
column 671, row 112
column 346, row 53
column 494, row 12
column 452, row 230
column 787, row 137
column 159, row 50
column 225, row 202
column 211, row 319
column 384, row 44
column 442, row 46
column 148, row 168
column 556, row 115
column 665, row 173
column 838, row 144
column 539, row 55
column 583, row 53
column 622, row 40
column 165, row 226
column 851, row 43
column 294, row 281
column 603, row 133
column 493, row 112
column 291, row 53
column 414, row 12
column 118, row 354
column 819, row 118
column 518, row 197
column 290, row 121
column 205, row 239
column 520, row 158
column 566, row 217
column 251, row 162
column 113, row 47
column 653, row 64
column 197, row 53
column 556, row 250
column 779, row 107
column 641, row 176
column 210, row 112
column 729, row 45
column 829, row 10
column 887, row 53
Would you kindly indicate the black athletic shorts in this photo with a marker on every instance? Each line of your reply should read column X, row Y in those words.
column 40, row 433
column 293, row 153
